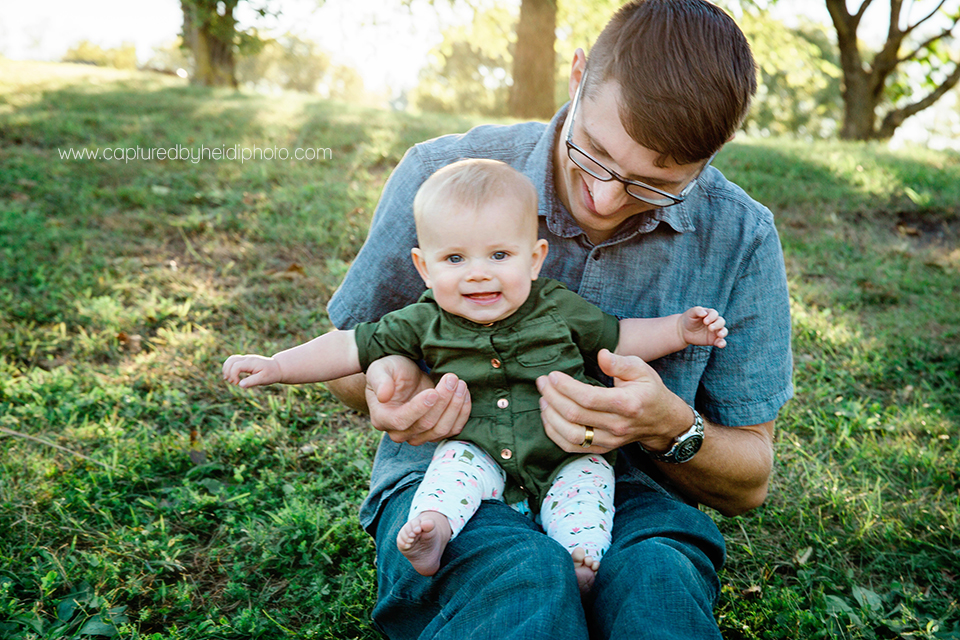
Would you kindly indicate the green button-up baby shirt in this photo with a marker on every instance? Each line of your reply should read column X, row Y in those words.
column 554, row 330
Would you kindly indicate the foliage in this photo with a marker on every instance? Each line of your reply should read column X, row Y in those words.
column 216, row 513
column 170, row 58
column 469, row 72
column 288, row 62
column 123, row 57
column 799, row 81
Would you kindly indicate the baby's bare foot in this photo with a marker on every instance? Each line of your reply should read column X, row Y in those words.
column 423, row 539
column 586, row 568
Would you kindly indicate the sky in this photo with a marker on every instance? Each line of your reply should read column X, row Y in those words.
column 386, row 42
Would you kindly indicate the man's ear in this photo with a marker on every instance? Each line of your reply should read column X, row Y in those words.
column 539, row 253
column 577, row 67
column 421, row 264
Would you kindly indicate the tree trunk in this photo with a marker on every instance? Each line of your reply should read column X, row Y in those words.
column 210, row 35
column 534, row 61
column 859, row 108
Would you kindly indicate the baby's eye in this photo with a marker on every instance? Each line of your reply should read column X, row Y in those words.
column 455, row 259
column 500, row 255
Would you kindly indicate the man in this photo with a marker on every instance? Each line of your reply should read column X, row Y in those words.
column 639, row 224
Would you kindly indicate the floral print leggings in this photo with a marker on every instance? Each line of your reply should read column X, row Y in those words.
column 576, row 512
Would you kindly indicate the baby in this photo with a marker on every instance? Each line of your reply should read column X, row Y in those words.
column 488, row 318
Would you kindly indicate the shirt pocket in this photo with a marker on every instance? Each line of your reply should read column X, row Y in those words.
column 541, row 342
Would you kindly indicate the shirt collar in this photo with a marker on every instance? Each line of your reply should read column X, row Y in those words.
column 561, row 223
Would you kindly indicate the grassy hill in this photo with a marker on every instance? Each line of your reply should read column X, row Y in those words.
column 140, row 495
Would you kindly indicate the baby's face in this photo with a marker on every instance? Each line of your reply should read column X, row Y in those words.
column 480, row 263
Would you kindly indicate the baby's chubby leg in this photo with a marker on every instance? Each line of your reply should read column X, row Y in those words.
column 578, row 511
column 459, row 477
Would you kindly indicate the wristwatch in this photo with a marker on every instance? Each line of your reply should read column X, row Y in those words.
column 685, row 446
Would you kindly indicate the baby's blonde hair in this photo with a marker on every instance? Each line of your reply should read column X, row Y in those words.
column 466, row 185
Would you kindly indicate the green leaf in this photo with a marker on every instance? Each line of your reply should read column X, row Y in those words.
column 66, row 609
column 867, row 599
column 97, row 627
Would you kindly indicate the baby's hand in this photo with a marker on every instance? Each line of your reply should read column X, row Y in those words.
column 259, row 369
column 703, row 326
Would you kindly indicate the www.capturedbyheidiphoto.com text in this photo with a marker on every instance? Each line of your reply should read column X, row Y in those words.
column 195, row 154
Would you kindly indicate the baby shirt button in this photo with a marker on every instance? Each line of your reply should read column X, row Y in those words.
column 506, row 454
column 495, row 363
column 503, row 403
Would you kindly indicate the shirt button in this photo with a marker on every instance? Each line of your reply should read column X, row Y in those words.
column 503, row 403
column 495, row 363
column 506, row 454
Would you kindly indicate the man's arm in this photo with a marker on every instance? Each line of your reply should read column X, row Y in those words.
column 730, row 473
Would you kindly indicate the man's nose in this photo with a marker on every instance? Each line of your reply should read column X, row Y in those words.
column 608, row 197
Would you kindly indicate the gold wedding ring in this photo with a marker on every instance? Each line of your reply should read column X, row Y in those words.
column 587, row 437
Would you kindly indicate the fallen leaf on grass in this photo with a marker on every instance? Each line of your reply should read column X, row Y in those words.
column 753, row 592
column 132, row 343
column 290, row 273
column 197, row 455
column 253, row 198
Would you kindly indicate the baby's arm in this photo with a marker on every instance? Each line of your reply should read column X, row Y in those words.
column 652, row 338
column 330, row 356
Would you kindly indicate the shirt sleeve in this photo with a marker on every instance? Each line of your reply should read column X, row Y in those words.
column 752, row 378
column 382, row 277
column 399, row 333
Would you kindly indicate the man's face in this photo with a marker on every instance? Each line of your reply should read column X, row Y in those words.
column 600, row 207
column 480, row 264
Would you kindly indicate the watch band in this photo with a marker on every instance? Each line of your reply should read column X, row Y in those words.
column 685, row 446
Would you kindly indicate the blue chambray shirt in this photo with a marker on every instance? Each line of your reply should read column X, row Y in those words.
column 719, row 248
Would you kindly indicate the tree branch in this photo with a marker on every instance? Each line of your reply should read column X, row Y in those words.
column 861, row 11
column 894, row 30
column 926, row 43
column 895, row 118
column 910, row 28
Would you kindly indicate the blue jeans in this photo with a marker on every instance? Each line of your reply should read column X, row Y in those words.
column 502, row 577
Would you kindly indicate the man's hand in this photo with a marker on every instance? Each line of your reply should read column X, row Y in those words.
column 730, row 473
column 404, row 404
column 638, row 408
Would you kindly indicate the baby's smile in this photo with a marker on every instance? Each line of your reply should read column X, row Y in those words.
column 484, row 297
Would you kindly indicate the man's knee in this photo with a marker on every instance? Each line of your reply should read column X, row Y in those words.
column 659, row 565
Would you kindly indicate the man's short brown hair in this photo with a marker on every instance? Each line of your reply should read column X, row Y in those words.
column 685, row 71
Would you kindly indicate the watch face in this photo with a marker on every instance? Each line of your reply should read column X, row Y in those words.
column 688, row 448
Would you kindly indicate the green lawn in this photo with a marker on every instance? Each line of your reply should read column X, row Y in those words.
column 142, row 497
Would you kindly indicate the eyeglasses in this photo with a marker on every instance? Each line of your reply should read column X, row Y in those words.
column 639, row 190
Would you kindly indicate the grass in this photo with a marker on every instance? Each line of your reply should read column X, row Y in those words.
column 141, row 497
